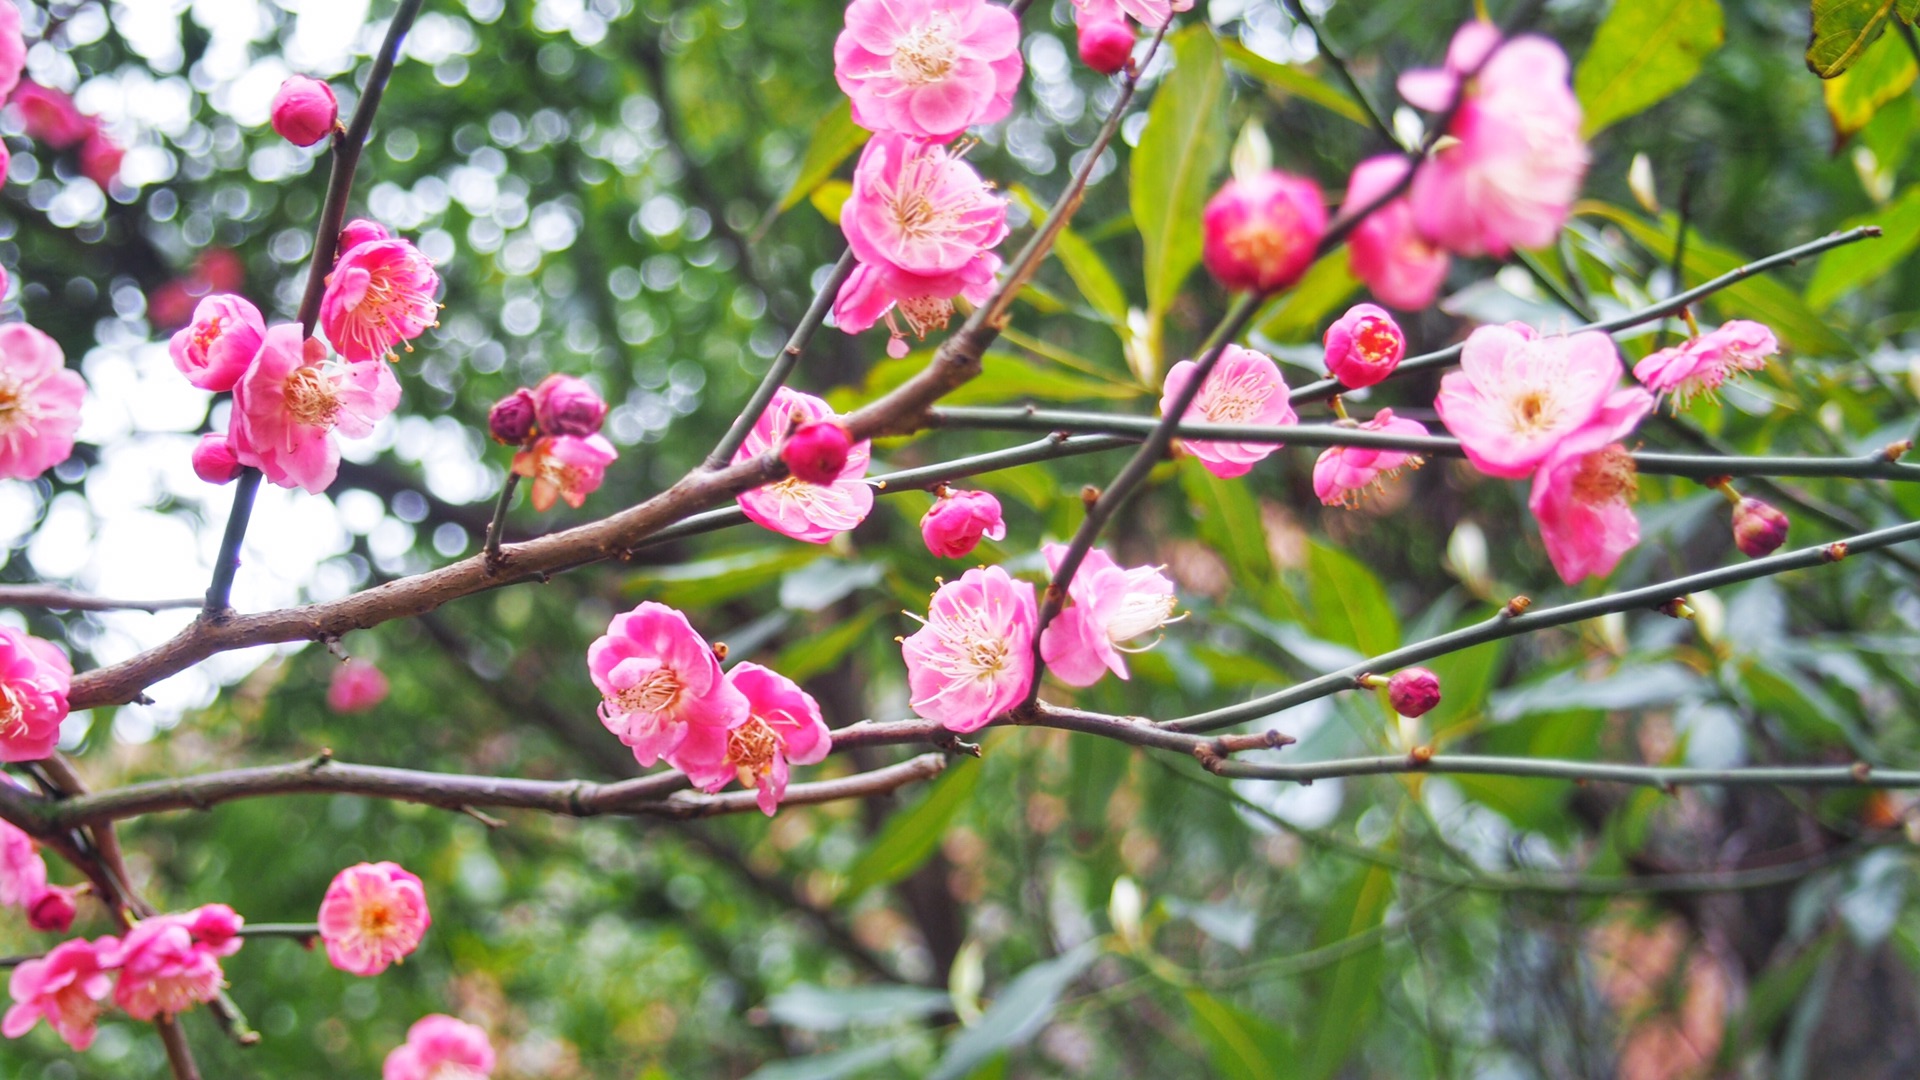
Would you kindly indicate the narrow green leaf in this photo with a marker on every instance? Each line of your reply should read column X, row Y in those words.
column 835, row 138
column 816, row 653
column 1296, row 314
column 1097, row 767
column 838, row 1065
column 714, row 581
column 1089, row 272
column 1292, row 80
column 1643, row 52
column 1884, row 72
column 1228, row 518
column 1350, row 993
column 1018, row 1014
column 1350, row 606
column 1003, row 378
column 1842, row 30
column 1243, row 1046
column 1845, row 269
column 1181, row 150
column 910, row 836
column 820, row 1008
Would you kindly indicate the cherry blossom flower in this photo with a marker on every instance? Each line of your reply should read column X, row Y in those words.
column 972, row 658
column 13, row 49
column 1245, row 387
column 1699, row 366
column 374, row 914
column 928, row 68
column 39, row 402
column 439, row 1047
column 34, row 678
column 566, row 405
column 292, row 400
column 213, row 459
column 53, row 910
column 1111, row 607
column 1508, row 176
column 1385, row 250
column 356, row 232
column 817, row 452
column 1583, row 493
column 873, row 293
column 566, row 467
column 1260, row 232
column 793, row 507
column 920, row 209
column 783, row 728
column 49, row 116
column 1364, row 346
column 66, row 987
column 356, row 686
column 23, row 873
column 953, row 526
column 660, row 680
column 1152, row 14
column 214, row 350
column 380, row 294
column 170, row 963
column 1517, row 395
column 304, row 110
column 1344, row 474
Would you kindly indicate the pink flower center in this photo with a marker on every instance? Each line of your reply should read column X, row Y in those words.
column 927, row 54
column 1607, row 475
column 204, row 335
column 553, row 471
column 971, row 649
column 656, row 692
column 175, row 994
column 1233, row 399
column 1533, row 411
column 1374, row 340
column 13, row 713
column 751, row 748
column 1263, row 242
column 17, row 409
column 311, row 397
column 924, row 313
column 71, row 1005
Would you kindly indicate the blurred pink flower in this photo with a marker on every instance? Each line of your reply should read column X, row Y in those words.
column 565, row 467
column 1261, row 233
column 213, row 459
column 380, row 294
column 34, row 678
column 514, row 419
column 170, row 963
column 567, row 405
column 304, row 110
column 1385, row 250
column 953, row 526
column 1758, row 527
column 871, row 293
column 972, row 658
column 1245, row 387
column 1583, row 494
column 356, row 232
column 783, row 728
column 53, row 910
column 1344, row 474
column 100, row 158
column 214, row 350
column 1701, row 365
column 49, row 116
column 1111, row 607
column 292, row 400
column 920, row 209
column 1105, row 45
column 928, row 68
column 1364, row 346
column 65, row 986
column 374, row 914
column 792, row 507
column 1513, row 167
column 356, row 686
column 39, row 402
column 660, row 680
column 13, row 49
column 1518, row 395
column 1152, row 14
column 440, row 1048
column 23, row 873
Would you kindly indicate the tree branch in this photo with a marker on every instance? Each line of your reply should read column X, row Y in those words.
column 58, row 599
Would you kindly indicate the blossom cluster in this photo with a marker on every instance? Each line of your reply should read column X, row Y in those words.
column 556, row 426
column 48, row 116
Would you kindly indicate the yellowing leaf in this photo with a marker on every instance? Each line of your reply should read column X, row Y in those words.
column 835, row 138
column 829, row 197
column 1884, row 72
column 1842, row 30
column 1644, row 51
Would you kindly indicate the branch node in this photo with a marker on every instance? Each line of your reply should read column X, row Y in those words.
column 1420, row 756
column 953, row 744
column 1835, row 551
column 1367, row 680
column 1089, row 495
column 1269, row 739
column 1676, row 608
column 483, row 818
column 1861, row 771
column 1897, row 450
column 1210, row 761
column 1516, row 607
column 321, row 760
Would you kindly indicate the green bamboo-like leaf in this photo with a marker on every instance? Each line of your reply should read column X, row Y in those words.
column 1843, row 29
column 816, row 653
column 1017, row 1015
column 1644, row 51
column 1243, row 1046
column 835, row 138
column 1228, row 518
column 1845, row 269
column 1350, row 993
column 911, row 835
column 1350, row 606
column 1883, row 73
column 1181, row 150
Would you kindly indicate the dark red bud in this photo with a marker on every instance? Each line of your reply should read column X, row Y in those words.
column 1106, row 44
column 1414, row 691
column 511, row 420
column 52, row 911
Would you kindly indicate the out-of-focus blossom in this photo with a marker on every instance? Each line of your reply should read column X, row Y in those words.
column 440, row 1048
column 13, row 49
column 972, row 658
column 1245, row 387
column 1111, row 608
column 373, row 915
column 793, row 507
column 1344, row 474
column 1699, row 366
column 34, row 679
column 379, row 295
column 928, row 68
column 170, row 963
column 1364, row 346
column 23, row 873
column 874, row 293
column 514, row 418
column 567, row 405
column 49, row 116
column 356, row 686
column 214, row 350
column 292, row 401
column 215, row 270
column 953, row 526
column 1386, row 250
column 566, row 467
column 1106, row 45
column 1758, row 528
column 783, row 728
column 1152, row 14
column 39, row 402
column 304, row 110
column 1584, row 490
column 1260, row 232
column 52, row 912
column 100, row 158
column 1517, row 395
column 660, row 680
column 66, row 987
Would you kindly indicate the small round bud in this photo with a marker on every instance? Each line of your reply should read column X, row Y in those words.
column 1106, row 44
column 817, row 452
column 511, row 420
column 568, row 406
column 52, row 911
column 1259, row 233
column 1364, row 346
column 957, row 521
column 1758, row 529
column 360, row 231
column 304, row 111
column 1413, row 691
column 213, row 459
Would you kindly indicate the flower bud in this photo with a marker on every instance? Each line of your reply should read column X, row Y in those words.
column 566, row 405
column 817, row 452
column 360, row 231
column 1260, row 232
column 512, row 418
column 1758, row 529
column 1364, row 346
column 957, row 521
column 52, row 911
column 1413, row 691
column 304, row 111
column 1106, row 44
column 214, row 460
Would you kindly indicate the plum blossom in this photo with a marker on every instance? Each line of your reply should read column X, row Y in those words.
column 380, row 294
column 170, row 963
column 49, row 116
column 1105, row 45
column 13, row 49
column 39, row 402
column 1758, row 527
column 23, row 873
column 874, row 293
column 1260, row 232
column 953, row 526
column 1386, row 250
column 514, row 418
column 213, row 459
column 919, row 208
column 927, row 68
column 65, row 987
column 793, row 507
column 34, row 678
column 783, row 728
column 1111, row 607
column 374, row 914
column 291, row 402
column 972, row 658
column 1518, row 395
column 213, row 351
column 1699, row 366
column 1583, row 493
column 1413, row 691
column 101, row 157
column 304, row 110
column 566, row 405
column 356, row 686
column 660, row 680
column 356, row 232
column 817, row 452
column 53, row 910
column 1344, row 474
column 1513, row 166
column 1245, row 387
column 439, row 1047
column 566, row 467
column 1364, row 346
column 1152, row 14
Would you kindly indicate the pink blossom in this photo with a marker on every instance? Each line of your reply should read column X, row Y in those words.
column 953, row 526
column 972, row 658
column 566, row 467
column 1583, row 493
column 304, row 110
column 356, row 686
column 39, row 402
column 1364, row 346
column 817, row 452
column 440, row 1048
column 65, row 986
column 871, row 294
column 49, row 116
column 1105, row 46
column 380, row 294
column 514, row 418
column 783, row 728
column 920, row 208
column 23, row 873
column 374, row 914
column 53, row 910
column 1758, row 527
column 1517, row 395
column 13, row 49
column 793, row 507
column 1152, row 14
column 213, row 459
column 170, row 963
column 1385, row 250
column 566, row 405
column 34, row 677
column 214, row 350
column 1701, row 365
column 1345, row 473
column 356, row 232
column 660, row 680
column 1245, row 387
column 1261, row 233
column 100, row 158
column 292, row 400
column 1413, row 691
column 1111, row 607
column 928, row 68
column 1515, row 162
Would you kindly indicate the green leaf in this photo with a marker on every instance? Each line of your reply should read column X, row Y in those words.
column 816, row 653
column 1296, row 314
column 1855, row 266
column 910, row 836
column 1243, row 1046
column 1181, row 150
column 1842, row 30
column 1097, row 767
column 1349, row 994
column 1089, row 272
column 722, row 578
column 1292, row 80
column 1643, row 52
column 1350, row 606
column 829, row 197
column 1003, row 378
column 1018, row 1014
column 835, row 138
column 820, row 1008
column 1884, row 72
column 1228, row 518
column 838, row 1065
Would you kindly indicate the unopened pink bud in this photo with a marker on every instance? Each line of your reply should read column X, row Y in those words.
column 1261, row 232
column 568, row 406
column 953, row 528
column 214, row 460
column 817, row 452
column 1758, row 529
column 1106, row 44
column 52, row 911
column 1413, row 691
column 511, row 420
column 1364, row 346
column 304, row 111
column 360, row 231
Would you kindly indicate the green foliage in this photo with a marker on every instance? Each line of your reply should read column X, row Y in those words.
column 1857, row 266
column 1844, row 29
column 912, row 836
column 1644, row 52
column 1885, row 71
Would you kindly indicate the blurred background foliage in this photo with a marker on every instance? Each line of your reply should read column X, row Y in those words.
column 641, row 192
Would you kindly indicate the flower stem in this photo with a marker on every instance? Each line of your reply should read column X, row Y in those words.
column 497, row 527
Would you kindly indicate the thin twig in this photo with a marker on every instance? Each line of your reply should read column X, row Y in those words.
column 1586, row 772
column 1375, row 118
column 179, row 1055
column 783, row 364
column 497, row 528
column 58, row 599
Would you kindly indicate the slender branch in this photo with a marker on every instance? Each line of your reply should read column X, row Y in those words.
column 783, row 364
column 1375, row 118
column 1676, row 266
column 1666, row 778
column 179, row 1055
column 497, row 528
column 58, row 599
